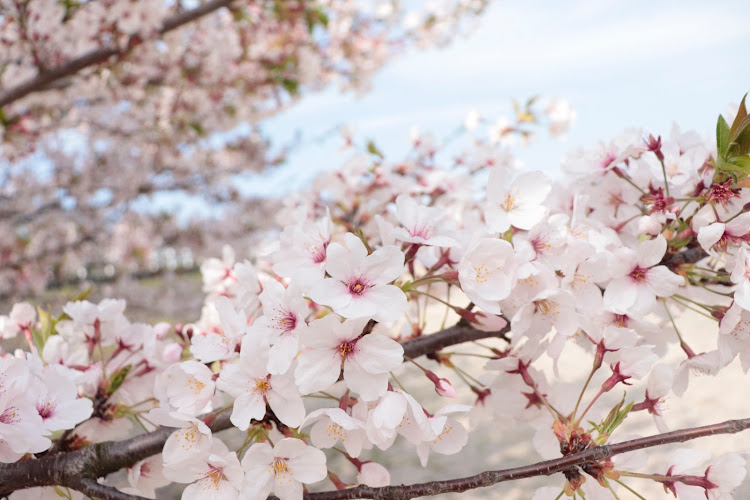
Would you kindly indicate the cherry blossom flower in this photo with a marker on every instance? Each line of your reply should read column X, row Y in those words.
column 254, row 388
column 725, row 235
column 22, row 316
column 383, row 419
column 359, row 285
column 487, row 273
column 694, row 479
column 335, row 346
column 192, row 438
column 220, row 345
column 638, row 279
column 57, row 400
column 283, row 320
column 332, row 426
column 517, row 203
column 450, row 435
column 550, row 308
column 659, row 385
column 734, row 336
column 627, row 363
column 215, row 272
column 741, row 276
column 215, row 475
column 93, row 323
column 281, row 470
column 303, row 252
column 145, row 476
column 187, row 387
column 423, row 225
column 21, row 427
column 373, row 474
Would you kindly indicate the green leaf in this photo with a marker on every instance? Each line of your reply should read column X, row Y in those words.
column 722, row 136
column 373, row 149
column 117, row 379
column 46, row 328
column 291, row 86
column 737, row 167
column 198, row 128
column 737, row 124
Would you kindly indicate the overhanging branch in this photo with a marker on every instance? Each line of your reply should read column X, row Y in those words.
column 47, row 78
column 101, row 459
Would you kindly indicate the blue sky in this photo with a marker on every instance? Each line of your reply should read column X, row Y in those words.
column 621, row 64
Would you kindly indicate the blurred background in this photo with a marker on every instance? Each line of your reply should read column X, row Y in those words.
column 617, row 64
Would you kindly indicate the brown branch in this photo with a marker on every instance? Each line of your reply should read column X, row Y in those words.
column 457, row 334
column 546, row 468
column 688, row 256
column 44, row 79
column 93, row 489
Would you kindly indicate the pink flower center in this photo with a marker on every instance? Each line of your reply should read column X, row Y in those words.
column 286, row 320
column 639, row 274
column 607, row 159
column 425, row 231
column 346, row 349
column 9, row 416
column 541, row 245
column 46, row 410
column 621, row 320
column 318, row 252
column 358, row 286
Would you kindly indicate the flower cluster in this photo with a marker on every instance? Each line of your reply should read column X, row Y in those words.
column 310, row 346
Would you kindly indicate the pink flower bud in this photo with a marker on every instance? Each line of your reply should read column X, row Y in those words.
column 172, row 352
column 374, row 475
column 442, row 386
column 162, row 329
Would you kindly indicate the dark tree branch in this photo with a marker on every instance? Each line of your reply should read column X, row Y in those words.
column 47, row 78
column 457, row 334
column 688, row 256
column 546, row 468
column 93, row 489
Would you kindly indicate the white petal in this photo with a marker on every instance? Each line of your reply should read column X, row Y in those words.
column 331, row 292
column 663, row 282
column 317, row 370
column 620, row 295
column 377, row 353
column 368, row 385
column 384, row 265
column 708, row 236
column 650, row 252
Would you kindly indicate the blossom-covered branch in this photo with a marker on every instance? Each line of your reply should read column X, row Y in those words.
column 100, row 459
column 48, row 76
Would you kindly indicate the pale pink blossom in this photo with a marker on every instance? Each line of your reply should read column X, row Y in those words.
column 373, row 474
column 518, row 203
column 303, row 252
column 725, row 235
column 423, row 225
column 281, row 470
column 254, row 388
column 741, row 276
column 283, row 321
column 22, row 316
column 214, row 475
column 359, row 285
column 487, row 273
column 334, row 346
column 187, row 387
column 638, row 279
column 332, row 426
